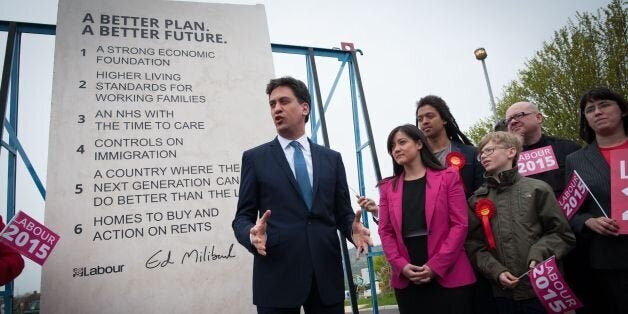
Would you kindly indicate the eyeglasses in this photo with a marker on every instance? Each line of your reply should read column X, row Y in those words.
column 487, row 151
column 589, row 109
column 516, row 116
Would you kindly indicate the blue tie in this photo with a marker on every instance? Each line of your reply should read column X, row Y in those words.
column 300, row 169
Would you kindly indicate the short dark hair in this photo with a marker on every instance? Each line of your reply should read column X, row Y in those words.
column 428, row 159
column 500, row 126
column 451, row 127
column 594, row 94
column 299, row 89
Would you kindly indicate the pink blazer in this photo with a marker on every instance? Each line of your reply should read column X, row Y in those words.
column 446, row 217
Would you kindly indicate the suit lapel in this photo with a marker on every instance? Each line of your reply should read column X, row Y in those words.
column 595, row 157
column 397, row 201
column 280, row 158
column 432, row 188
column 455, row 147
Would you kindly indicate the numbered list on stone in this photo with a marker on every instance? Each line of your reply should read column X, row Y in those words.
column 153, row 104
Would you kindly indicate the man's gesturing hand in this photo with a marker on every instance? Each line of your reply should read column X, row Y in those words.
column 258, row 234
column 360, row 235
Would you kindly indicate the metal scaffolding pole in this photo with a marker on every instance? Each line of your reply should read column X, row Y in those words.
column 348, row 58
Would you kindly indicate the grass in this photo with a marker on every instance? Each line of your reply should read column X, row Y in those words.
column 382, row 299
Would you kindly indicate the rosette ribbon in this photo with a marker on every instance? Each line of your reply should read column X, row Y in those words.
column 456, row 160
column 485, row 209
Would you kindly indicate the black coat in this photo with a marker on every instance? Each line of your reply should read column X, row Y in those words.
column 472, row 173
column 605, row 252
column 301, row 244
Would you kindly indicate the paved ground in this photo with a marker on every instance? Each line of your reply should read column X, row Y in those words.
column 381, row 311
column 387, row 309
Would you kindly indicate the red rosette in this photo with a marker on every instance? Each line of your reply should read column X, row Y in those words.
column 485, row 209
column 456, row 160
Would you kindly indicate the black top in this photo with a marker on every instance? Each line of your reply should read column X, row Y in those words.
column 413, row 208
column 555, row 178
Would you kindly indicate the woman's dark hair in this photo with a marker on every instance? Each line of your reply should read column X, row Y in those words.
column 451, row 127
column 428, row 159
column 595, row 94
column 500, row 126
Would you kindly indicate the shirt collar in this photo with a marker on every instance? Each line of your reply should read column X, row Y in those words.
column 504, row 178
column 305, row 144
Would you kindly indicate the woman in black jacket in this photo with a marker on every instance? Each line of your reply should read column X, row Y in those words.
column 604, row 126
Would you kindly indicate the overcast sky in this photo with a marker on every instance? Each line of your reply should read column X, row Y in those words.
column 411, row 49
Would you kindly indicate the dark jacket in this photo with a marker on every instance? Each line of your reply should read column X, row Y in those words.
column 301, row 244
column 472, row 173
column 605, row 252
column 555, row 178
column 528, row 225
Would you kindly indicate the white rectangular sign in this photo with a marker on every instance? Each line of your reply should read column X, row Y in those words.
column 153, row 104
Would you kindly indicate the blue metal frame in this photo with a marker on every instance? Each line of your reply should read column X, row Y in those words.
column 360, row 166
column 7, row 295
column 30, row 28
column 16, row 148
column 317, row 124
column 13, row 146
column 346, row 58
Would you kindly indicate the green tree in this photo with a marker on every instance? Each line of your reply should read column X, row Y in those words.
column 590, row 51
column 480, row 128
column 382, row 271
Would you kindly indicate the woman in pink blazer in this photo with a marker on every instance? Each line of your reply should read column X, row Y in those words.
column 423, row 226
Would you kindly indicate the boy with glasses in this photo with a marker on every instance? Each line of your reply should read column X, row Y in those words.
column 515, row 223
column 524, row 118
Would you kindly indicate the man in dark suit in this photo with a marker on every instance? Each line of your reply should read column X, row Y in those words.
column 297, row 258
column 434, row 118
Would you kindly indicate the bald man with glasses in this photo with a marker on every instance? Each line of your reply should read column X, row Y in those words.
column 524, row 119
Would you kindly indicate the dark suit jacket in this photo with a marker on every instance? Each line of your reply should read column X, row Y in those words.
column 605, row 252
column 301, row 245
column 472, row 173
